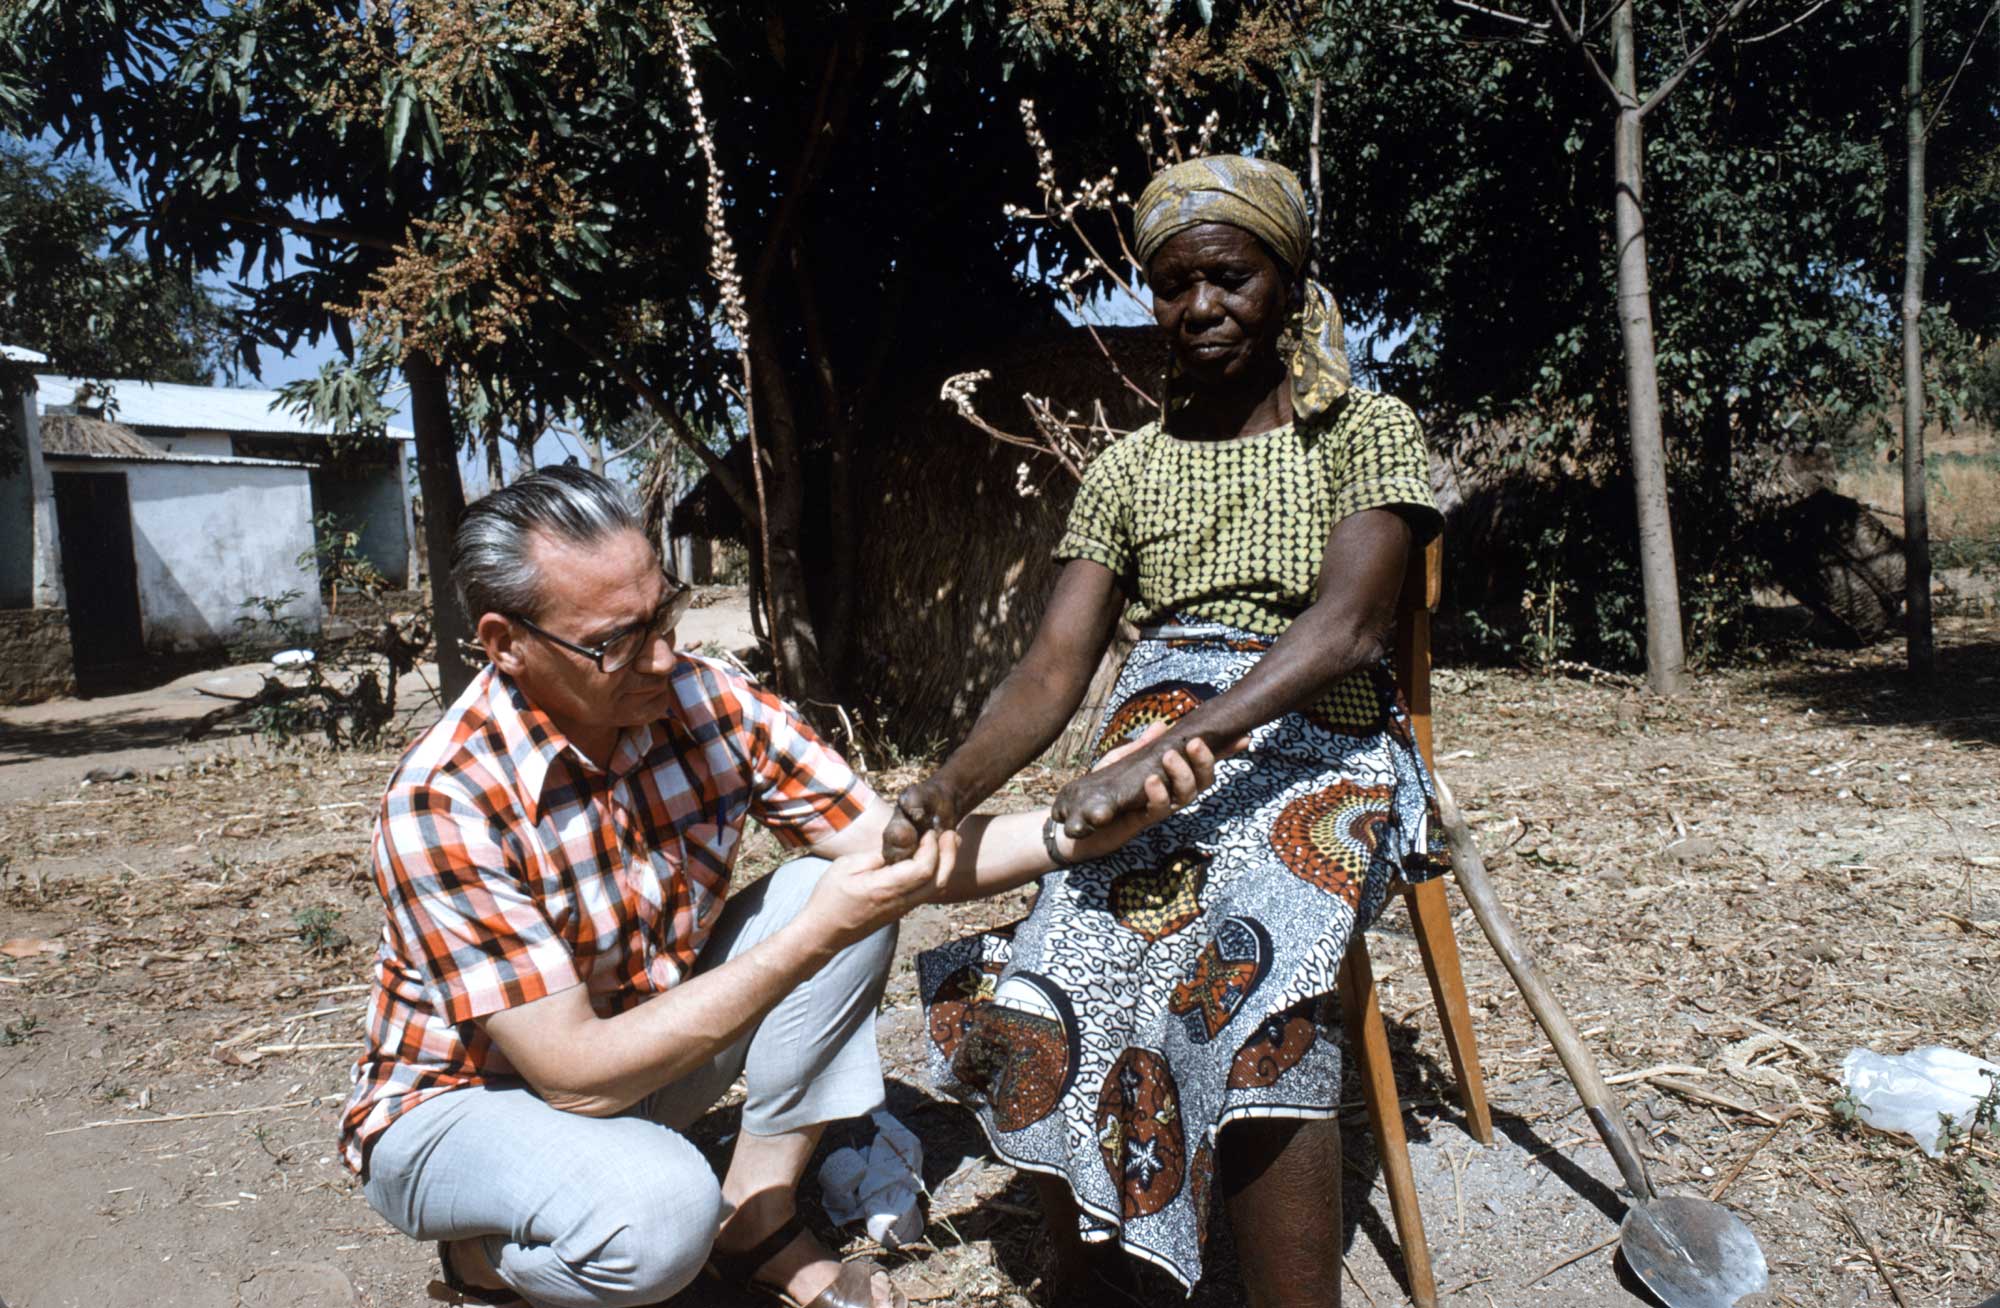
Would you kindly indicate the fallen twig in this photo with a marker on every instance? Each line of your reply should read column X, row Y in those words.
column 309, row 1048
column 1652, row 1073
column 1874, row 1249
column 1722, row 1186
column 182, row 1117
column 1689, row 1090
column 1576, row 1258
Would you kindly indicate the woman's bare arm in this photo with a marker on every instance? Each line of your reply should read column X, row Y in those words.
column 1348, row 627
column 1025, row 713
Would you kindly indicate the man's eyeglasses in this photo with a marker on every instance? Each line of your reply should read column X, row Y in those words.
column 618, row 651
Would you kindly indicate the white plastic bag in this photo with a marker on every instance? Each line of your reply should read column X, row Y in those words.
column 1908, row 1092
column 879, row 1186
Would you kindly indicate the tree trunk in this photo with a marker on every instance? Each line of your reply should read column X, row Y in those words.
column 496, row 470
column 795, row 645
column 835, row 614
column 1921, row 652
column 444, row 503
column 1666, row 659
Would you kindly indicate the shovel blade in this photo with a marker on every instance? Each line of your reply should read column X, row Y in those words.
column 1692, row 1253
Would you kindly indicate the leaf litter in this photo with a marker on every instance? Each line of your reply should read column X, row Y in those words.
column 1728, row 890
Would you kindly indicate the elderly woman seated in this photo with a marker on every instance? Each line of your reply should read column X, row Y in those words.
column 1159, row 1028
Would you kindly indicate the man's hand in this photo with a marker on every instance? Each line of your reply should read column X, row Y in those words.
column 930, row 805
column 1186, row 770
column 859, row 894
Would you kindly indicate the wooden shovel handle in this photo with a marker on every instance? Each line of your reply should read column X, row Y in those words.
column 1606, row 1114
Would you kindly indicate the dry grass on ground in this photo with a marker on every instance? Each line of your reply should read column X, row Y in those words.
column 1962, row 498
column 1730, row 891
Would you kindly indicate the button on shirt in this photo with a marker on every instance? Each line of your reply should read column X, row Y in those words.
column 512, row 867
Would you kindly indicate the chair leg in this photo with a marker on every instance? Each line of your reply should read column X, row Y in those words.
column 1430, row 913
column 1369, row 1037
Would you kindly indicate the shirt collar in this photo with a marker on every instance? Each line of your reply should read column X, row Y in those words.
column 533, row 742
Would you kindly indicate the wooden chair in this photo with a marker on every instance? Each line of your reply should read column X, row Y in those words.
column 1430, row 917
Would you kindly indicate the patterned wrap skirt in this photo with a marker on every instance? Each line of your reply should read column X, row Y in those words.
column 1187, row 980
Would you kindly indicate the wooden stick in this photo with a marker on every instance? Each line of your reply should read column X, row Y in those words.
column 251, row 1034
column 1868, row 1242
column 1689, row 1090
column 1659, row 1070
column 1577, row 1257
column 1722, row 1186
column 182, row 1117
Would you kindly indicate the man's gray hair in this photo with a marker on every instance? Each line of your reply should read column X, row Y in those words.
column 490, row 564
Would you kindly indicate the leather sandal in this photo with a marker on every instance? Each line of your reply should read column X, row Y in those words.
column 853, row 1287
column 448, row 1288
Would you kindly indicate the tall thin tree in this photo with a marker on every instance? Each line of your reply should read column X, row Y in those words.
column 1921, row 652
column 1666, row 651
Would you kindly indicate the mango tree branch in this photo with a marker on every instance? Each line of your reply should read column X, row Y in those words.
column 677, row 425
column 284, row 222
column 828, row 116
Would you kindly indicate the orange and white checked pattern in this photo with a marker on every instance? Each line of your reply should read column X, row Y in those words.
column 512, row 868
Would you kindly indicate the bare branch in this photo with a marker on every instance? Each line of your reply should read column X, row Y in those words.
column 1575, row 38
column 1970, row 47
column 1666, row 88
column 1500, row 14
column 1782, row 28
column 664, row 409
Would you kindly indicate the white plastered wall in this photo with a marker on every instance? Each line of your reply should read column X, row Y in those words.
column 206, row 537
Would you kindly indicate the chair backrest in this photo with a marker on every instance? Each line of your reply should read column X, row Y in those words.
column 1423, row 580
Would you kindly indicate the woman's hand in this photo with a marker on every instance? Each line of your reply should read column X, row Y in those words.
column 930, row 805
column 1164, row 779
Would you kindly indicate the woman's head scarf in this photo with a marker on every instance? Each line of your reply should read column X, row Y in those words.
column 1266, row 200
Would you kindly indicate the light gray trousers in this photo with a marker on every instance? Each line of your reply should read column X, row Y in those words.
column 586, row 1212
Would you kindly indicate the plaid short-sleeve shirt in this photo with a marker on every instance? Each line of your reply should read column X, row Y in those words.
column 512, row 868
column 1234, row 531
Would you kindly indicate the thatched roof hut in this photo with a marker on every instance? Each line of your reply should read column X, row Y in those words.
column 76, row 433
column 955, row 536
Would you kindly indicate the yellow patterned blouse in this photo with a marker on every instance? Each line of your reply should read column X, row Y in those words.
column 1233, row 531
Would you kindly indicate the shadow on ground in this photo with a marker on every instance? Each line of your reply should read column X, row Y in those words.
column 1010, row 1220
column 1873, row 688
column 30, row 742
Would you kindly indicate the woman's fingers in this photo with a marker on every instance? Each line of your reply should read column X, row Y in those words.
column 1146, row 737
column 899, row 838
column 1181, row 782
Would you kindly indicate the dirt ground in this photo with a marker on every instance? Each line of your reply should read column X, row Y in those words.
column 1730, row 891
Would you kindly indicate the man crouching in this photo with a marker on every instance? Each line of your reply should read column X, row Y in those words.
column 565, row 980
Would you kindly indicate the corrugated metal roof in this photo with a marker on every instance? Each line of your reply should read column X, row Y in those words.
column 21, row 354
column 176, row 407
column 216, row 460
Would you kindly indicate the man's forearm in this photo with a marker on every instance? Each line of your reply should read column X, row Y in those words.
column 599, row 1066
